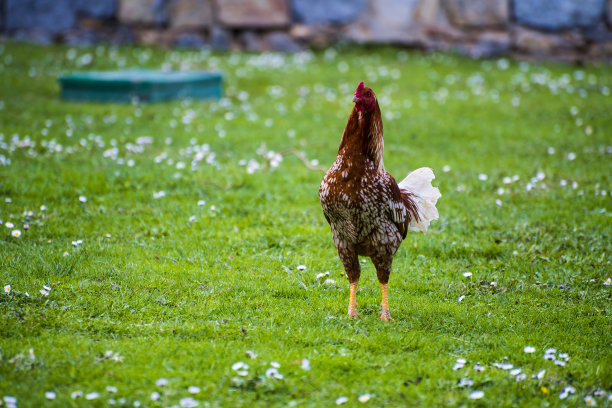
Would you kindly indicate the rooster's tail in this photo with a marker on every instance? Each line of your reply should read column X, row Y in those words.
column 424, row 195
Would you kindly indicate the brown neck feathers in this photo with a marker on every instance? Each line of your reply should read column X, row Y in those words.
column 363, row 136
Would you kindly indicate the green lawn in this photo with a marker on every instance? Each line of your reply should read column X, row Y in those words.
column 201, row 248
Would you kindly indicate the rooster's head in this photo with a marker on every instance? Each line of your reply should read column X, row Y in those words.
column 364, row 98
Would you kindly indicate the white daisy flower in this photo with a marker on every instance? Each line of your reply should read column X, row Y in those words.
column 364, row 398
column 50, row 395
column 83, row 199
column 76, row 394
column 240, row 366
column 466, row 382
column 193, row 389
column 569, row 389
column 111, row 388
column 341, row 400
column 273, row 373
column 301, row 267
column 162, row 382
column 7, row 289
column 305, row 365
column 529, row 349
column 476, row 394
column 188, row 402
column 155, row 396
column 467, row 274
column 92, row 396
column 9, row 225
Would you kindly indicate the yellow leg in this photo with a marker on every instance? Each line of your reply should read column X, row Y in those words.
column 385, row 315
column 352, row 309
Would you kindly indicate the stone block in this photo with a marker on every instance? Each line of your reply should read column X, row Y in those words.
column 190, row 14
column 96, row 9
column 601, row 51
column 281, row 42
column 124, row 35
column 250, row 41
column 82, row 37
column 156, row 37
column 477, row 13
column 326, row 11
column 559, row 14
column 220, row 39
column 142, row 12
column 490, row 45
column 563, row 46
column 33, row 36
column 388, row 21
column 253, row 13
column 189, row 40
column 49, row 16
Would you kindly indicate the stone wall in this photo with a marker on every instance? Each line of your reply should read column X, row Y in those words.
column 573, row 30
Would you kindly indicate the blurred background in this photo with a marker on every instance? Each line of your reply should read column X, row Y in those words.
column 568, row 30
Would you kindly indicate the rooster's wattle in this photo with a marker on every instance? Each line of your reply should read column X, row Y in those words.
column 369, row 213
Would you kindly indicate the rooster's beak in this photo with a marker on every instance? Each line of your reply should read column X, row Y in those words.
column 355, row 99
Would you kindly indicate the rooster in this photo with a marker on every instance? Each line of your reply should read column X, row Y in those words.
column 369, row 213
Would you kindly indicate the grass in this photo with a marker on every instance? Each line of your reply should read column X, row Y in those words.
column 180, row 289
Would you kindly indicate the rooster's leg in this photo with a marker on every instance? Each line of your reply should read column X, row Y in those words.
column 352, row 308
column 382, row 263
column 350, row 261
column 385, row 315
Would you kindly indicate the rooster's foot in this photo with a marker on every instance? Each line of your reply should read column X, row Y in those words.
column 386, row 316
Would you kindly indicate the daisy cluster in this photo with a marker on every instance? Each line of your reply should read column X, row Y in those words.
column 508, row 185
column 23, row 223
column 273, row 373
column 44, row 291
column 518, row 374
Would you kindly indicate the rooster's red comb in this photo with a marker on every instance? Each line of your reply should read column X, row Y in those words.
column 359, row 87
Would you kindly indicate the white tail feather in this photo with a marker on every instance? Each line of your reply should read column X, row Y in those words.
column 425, row 196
